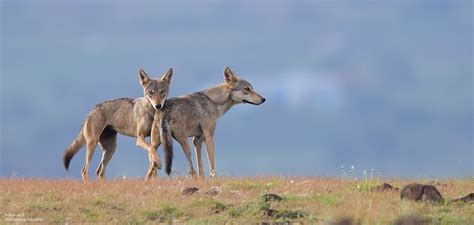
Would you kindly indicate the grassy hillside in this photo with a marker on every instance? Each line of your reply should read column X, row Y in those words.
column 307, row 200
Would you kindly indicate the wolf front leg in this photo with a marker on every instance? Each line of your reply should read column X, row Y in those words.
column 149, row 172
column 147, row 147
column 197, row 141
column 209, row 141
column 141, row 141
column 155, row 142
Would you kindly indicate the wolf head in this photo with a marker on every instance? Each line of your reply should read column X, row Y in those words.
column 156, row 90
column 241, row 91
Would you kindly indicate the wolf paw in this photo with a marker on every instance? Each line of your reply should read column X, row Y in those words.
column 213, row 174
column 192, row 173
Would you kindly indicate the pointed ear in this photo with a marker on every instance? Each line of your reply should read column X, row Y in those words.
column 144, row 79
column 229, row 76
column 167, row 77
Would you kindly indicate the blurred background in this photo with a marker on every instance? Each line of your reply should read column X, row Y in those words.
column 383, row 85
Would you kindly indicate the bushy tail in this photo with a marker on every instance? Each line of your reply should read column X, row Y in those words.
column 166, row 139
column 73, row 148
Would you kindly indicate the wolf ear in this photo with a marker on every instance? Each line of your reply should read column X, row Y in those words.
column 167, row 77
column 144, row 79
column 229, row 76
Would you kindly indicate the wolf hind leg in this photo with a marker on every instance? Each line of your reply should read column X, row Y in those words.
column 183, row 141
column 108, row 142
column 90, row 149
column 93, row 128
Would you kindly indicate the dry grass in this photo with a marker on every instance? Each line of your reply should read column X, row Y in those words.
column 306, row 200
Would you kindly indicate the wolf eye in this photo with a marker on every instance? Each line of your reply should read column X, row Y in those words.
column 150, row 92
column 247, row 88
column 162, row 91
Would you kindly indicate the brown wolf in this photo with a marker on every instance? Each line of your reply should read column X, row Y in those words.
column 131, row 117
column 196, row 115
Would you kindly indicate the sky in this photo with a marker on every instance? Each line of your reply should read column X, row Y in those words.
column 383, row 85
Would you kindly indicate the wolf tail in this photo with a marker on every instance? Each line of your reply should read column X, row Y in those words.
column 73, row 148
column 167, row 141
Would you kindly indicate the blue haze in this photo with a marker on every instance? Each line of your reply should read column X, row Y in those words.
column 376, row 84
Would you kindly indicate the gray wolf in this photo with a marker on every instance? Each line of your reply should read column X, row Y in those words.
column 130, row 117
column 196, row 115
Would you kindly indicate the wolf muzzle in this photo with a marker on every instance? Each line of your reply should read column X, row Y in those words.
column 262, row 100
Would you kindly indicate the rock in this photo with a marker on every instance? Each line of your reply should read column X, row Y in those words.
column 218, row 208
column 213, row 191
column 431, row 193
column 290, row 214
column 468, row 198
column 385, row 187
column 419, row 192
column 269, row 212
column 412, row 192
column 271, row 197
column 190, row 191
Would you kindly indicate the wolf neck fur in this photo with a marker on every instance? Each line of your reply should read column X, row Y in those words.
column 220, row 95
column 146, row 104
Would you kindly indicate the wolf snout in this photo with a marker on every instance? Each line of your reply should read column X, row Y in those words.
column 158, row 106
column 262, row 100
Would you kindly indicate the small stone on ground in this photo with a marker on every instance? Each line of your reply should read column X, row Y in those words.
column 213, row 191
column 190, row 191
column 272, row 197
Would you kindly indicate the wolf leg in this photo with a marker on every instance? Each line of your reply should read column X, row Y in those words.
column 93, row 128
column 108, row 142
column 155, row 142
column 183, row 141
column 156, row 166
column 91, row 145
column 197, row 141
column 209, row 141
column 141, row 142
column 147, row 147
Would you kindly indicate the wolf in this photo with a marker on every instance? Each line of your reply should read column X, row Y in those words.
column 196, row 115
column 130, row 117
